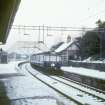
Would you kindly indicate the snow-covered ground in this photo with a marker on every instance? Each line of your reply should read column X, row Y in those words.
column 82, row 97
column 26, row 90
column 85, row 72
column 88, row 60
column 8, row 68
column 44, row 90
column 91, row 91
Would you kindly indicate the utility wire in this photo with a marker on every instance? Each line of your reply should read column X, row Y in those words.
column 49, row 28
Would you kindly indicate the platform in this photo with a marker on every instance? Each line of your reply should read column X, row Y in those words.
column 19, row 89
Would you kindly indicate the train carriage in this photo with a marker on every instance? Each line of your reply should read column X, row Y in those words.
column 46, row 59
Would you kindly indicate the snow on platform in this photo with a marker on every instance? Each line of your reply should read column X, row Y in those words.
column 89, row 61
column 24, row 89
column 27, row 90
column 85, row 72
column 8, row 68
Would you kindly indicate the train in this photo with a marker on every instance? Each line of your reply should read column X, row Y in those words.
column 46, row 62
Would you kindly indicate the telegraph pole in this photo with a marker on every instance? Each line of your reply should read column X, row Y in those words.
column 39, row 35
column 43, row 34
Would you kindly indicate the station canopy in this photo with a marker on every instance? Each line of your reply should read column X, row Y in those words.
column 8, row 9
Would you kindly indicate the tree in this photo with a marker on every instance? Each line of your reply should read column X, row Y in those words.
column 100, row 24
column 101, row 31
column 93, row 42
column 90, row 44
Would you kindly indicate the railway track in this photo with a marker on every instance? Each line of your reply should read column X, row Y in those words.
column 84, row 85
column 79, row 94
column 85, row 88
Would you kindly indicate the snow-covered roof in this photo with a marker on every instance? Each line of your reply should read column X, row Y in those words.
column 63, row 46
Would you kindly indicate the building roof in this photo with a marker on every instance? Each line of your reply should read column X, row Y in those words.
column 63, row 47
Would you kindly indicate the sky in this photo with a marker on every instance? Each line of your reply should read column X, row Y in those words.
column 60, row 12
column 68, row 13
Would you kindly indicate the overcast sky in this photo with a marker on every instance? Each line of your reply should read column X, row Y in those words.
column 72, row 13
column 60, row 12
